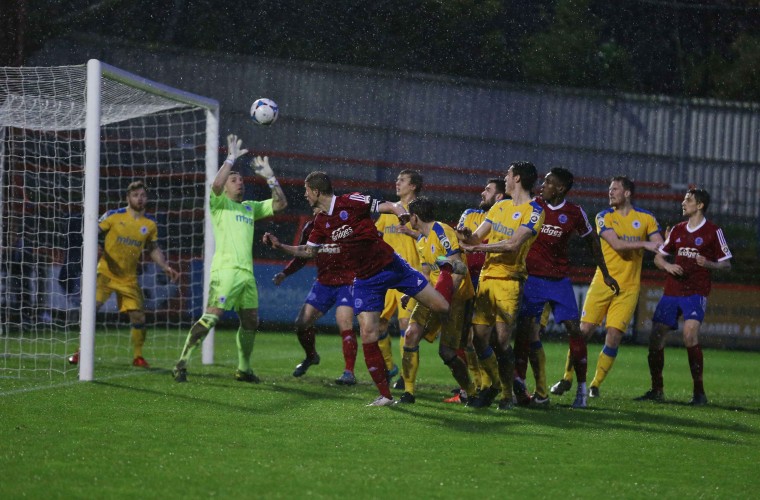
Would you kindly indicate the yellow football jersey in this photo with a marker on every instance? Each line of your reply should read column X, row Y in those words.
column 442, row 241
column 638, row 225
column 505, row 218
column 388, row 225
column 472, row 218
column 126, row 234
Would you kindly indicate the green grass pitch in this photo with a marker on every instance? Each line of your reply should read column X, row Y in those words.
column 137, row 433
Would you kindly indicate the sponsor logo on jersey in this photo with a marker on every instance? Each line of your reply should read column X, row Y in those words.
column 551, row 230
column 625, row 237
column 245, row 220
column 501, row 228
column 341, row 233
column 329, row 248
column 125, row 240
column 689, row 253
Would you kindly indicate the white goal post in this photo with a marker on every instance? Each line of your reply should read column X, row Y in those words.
column 71, row 139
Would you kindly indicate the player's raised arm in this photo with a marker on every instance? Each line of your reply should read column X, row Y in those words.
column 522, row 235
column 262, row 169
column 397, row 209
column 234, row 151
column 301, row 251
column 468, row 239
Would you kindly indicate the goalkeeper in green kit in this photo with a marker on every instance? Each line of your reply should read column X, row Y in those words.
column 233, row 285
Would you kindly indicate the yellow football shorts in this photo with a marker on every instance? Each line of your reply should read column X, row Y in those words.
column 451, row 331
column 497, row 301
column 602, row 302
column 393, row 303
column 129, row 297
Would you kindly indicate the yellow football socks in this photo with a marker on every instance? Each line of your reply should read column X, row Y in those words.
column 569, row 370
column 410, row 363
column 384, row 343
column 604, row 365
column 138, row 335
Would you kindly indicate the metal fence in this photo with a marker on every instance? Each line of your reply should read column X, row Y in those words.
column 381, row 119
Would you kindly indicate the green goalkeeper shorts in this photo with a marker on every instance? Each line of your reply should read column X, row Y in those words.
column 233, row 289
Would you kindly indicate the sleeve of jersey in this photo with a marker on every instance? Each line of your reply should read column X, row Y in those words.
column 297, row 264
column 535, row 219
column 654, row 226
column 261, row 209
column 492, row 212
column 448, row 239
column 584, row 227
column 216, row 200
column 316, row 237
column 723, row 246
column 104, row 224
column 667, row 248
column 601, row 221
column 153, row 232
column 463, row 218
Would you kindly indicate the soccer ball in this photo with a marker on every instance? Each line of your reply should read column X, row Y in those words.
column 264, row 111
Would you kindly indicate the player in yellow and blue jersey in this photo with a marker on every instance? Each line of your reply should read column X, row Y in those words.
column 470, row 220
column 233, row 286
column 625, row 232
column 511, row 226
column 128, row 231
column 402, row 239
column 437, row 243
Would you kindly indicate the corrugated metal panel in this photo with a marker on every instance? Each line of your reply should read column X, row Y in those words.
column 420, row 119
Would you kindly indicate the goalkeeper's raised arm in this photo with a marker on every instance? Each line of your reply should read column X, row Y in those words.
column 234, row 151
column 262, row 169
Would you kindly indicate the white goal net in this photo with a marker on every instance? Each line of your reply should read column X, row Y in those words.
column 67, row 155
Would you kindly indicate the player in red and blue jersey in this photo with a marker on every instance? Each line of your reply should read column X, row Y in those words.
column 346, row 221
column 697, row 247
column 548, row 282
column 331, row 288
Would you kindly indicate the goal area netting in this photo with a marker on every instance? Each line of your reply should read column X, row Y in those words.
column 72, row 138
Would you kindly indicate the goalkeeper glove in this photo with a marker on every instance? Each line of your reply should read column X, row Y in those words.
column 234, row 150
column 262, row 168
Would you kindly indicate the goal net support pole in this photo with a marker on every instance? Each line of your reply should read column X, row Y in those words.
column 71, row 139
column 96, row 71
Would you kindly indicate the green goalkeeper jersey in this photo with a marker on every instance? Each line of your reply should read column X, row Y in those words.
column 233, row 230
